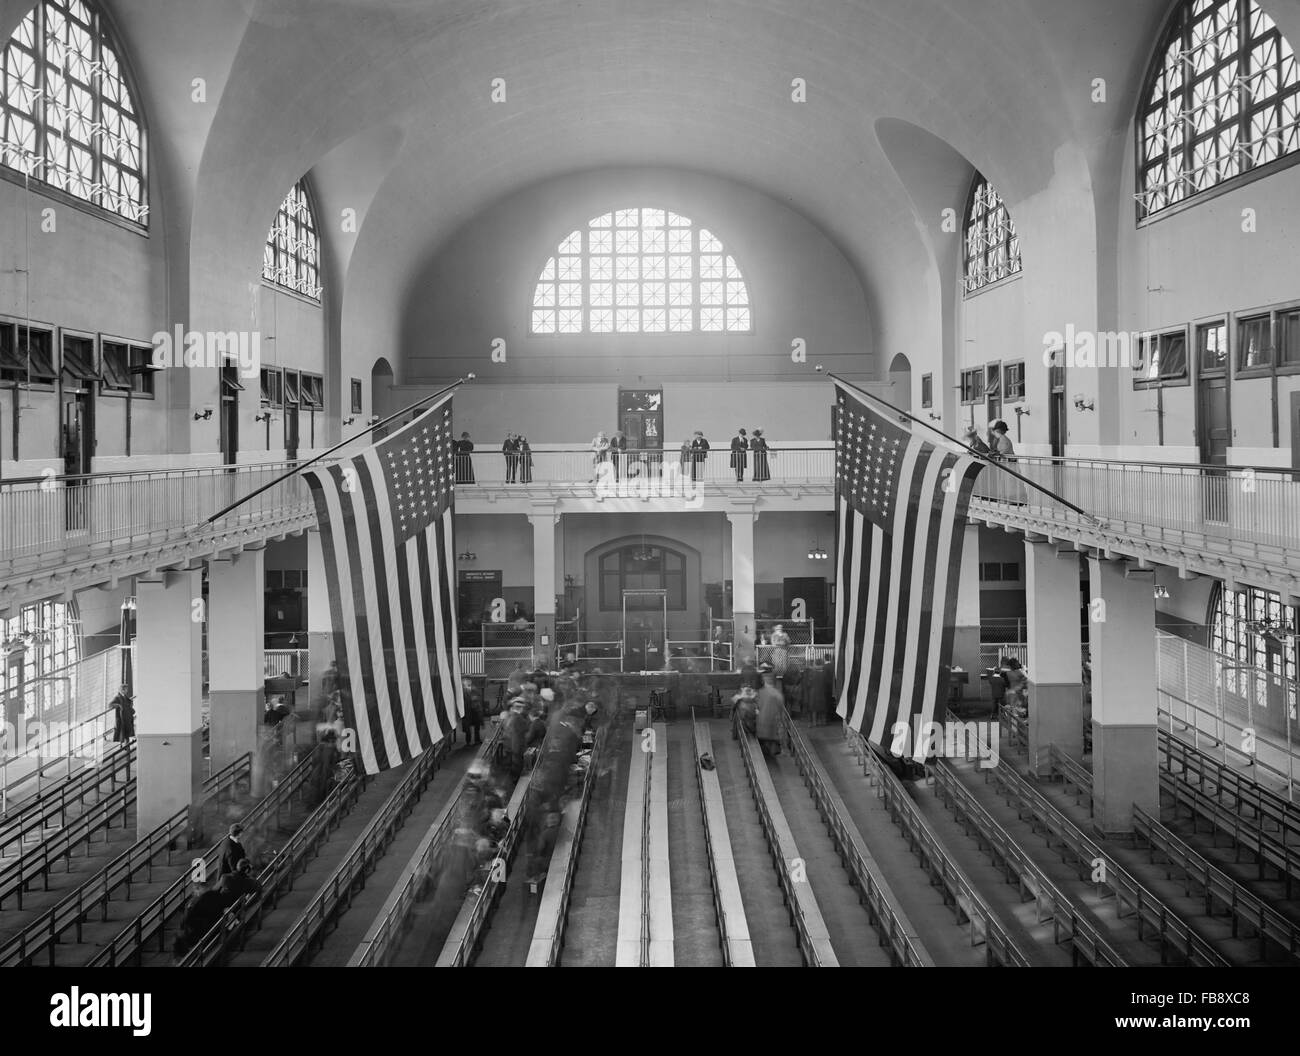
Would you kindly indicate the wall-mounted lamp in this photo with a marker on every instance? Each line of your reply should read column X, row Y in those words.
column 372, row 420
column 265, row 416
column 203, row 415
column 934, row 417
column 467, row 556
column 1161, row 592
column 1080, row 404
column 349, row 421
column 1020, row 411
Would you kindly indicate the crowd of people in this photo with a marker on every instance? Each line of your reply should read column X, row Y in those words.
column 808, row 691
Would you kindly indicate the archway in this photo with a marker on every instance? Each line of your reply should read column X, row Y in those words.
column 900, row 383
column 381, row 388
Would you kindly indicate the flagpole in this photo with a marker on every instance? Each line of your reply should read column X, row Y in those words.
column 325, row 454
column 965, row 447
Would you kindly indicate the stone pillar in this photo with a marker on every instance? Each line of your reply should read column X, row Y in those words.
column 1122, row 637
column 168, row 697
column 320, row 625
column 1055, row 652
column 742, row 585
column 236, row 658
column 543, row 522
column 966, row 629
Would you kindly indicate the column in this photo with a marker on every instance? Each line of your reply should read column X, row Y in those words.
column 236, row 664
column 1055, row 652
column 966, row 629
column 742, row 585
column 543, row 521
column 168, row 696
column 1122, row 638
column 320, row 626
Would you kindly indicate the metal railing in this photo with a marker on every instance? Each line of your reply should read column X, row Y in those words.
column 365, row 851
column 290, row 662
column 553, row 913
column 810, row 929
column 638, row 470
column 957, row 888
column 905, row 946
column 52, row 807
column 87, row 742
column 43, row 520
column 1181, row 504
column 129, row 944
column 385, row 933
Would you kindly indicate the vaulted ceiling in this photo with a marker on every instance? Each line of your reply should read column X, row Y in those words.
column 390, row 103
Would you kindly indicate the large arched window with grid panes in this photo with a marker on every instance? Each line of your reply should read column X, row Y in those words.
column 1221, row 99
column 992, row 246
column 39, row 648
column 68, row 116
column 641, row 271
column 292, row 255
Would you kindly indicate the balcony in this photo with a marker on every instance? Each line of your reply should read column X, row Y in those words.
column 54, row 531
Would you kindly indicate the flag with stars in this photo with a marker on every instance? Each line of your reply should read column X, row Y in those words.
column 901, row 504
column 385, row 520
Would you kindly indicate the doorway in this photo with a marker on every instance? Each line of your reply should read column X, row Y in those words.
column 78, row 447
column 900, row 383
column 1213, row 417
column 645, row 630
column 641, row 417
column 230, row 390
column 1295, row 430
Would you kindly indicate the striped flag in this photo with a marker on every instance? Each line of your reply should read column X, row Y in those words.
column 901, row 504
column 386, row 531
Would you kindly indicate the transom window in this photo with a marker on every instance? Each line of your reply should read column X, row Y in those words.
column 992, row 246
column 1222, row 98
column 640, row 271
column 635, row 567
column 292, row 255
column 67, row 115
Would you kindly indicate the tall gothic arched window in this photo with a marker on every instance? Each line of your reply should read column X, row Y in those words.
column 68, row 116
column 1221, row 99
column 640, row 271
column 992, row 245
column 292, row 255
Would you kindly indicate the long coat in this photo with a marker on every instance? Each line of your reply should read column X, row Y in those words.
column 769, row 713
column 739, row 445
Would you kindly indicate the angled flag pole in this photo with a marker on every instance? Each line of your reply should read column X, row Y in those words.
column 983, row 458
column 325, row 454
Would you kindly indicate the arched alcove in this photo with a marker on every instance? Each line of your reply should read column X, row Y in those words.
column 381, row 388
column 900, row 383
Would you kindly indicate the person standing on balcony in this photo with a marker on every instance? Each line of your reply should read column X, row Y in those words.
column 699, row 452
column 511, row 450
column 739, row 447
column 618, row 452
column 971, row 438
column 762, row 470
column 1001, row 447
column 464, row 464
column 525, row 460
column 599, row 453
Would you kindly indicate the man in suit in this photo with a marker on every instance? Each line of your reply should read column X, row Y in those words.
column 511, row 450
column 739, row 445
column 699, row 452
column 233, row 852
column 618, row 452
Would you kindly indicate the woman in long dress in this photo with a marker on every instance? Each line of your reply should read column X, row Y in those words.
column 758, row 447
column 464, row 463
column 780, row 649
column 525, row 461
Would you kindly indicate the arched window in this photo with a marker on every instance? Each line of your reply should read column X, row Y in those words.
column 1254, row 628
column 1222, row 97
column 68, row 117
column 640, row 271
column 642, row 567
column 992, row 246
column 292, row 255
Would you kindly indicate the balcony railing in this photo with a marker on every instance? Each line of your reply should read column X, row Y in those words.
column 552, row 466
column 1189, row 505
column 43, row 520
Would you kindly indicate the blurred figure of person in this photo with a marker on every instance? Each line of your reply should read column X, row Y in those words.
column 510, row 448
column 198, row 920
column 599, row 453
column 745, row 704
column 472, row 721
column 699, row 453
column 792, row 689
column 543, row 828
column 514, row 733
column 232, row 850
column 739, row 457
column 463, row 448
column 525, row 460
column 749, row 675
column 816, row 691
column 324, row 759
column 685, row 457
column 768, row 729
column 618, row 452
column 762, row 467
column 1002, row 448
column 123, row 717
column 241, row 882
column 1017, row 695
column 780, row 649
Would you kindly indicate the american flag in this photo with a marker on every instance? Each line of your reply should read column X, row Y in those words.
column 901, row 503
column 386, row 531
